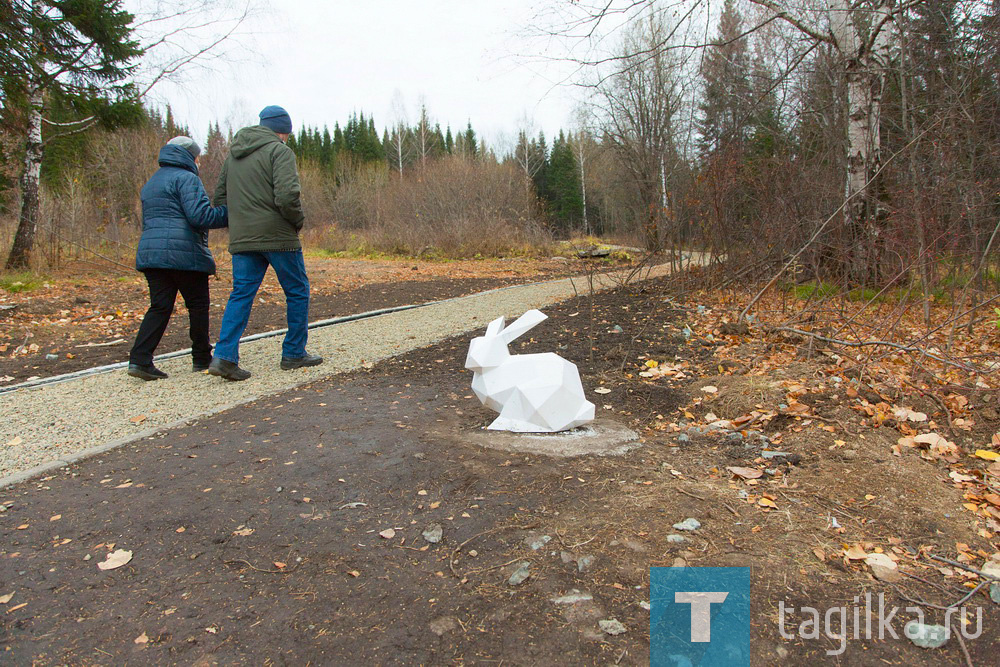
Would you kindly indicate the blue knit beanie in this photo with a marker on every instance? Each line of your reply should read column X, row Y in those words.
column 277, row 119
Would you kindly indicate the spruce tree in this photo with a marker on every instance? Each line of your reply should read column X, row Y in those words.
column 727, row 98
column 81, row 51
column 562, row 186
column 470, row 140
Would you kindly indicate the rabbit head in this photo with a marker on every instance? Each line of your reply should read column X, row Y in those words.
column 490, row 350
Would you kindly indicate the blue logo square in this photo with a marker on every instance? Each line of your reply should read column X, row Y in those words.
column 699, row 616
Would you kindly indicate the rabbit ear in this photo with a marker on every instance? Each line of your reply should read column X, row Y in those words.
column 522, row 324
column 495, row 327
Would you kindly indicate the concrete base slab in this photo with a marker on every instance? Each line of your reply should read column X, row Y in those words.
column 601, row 437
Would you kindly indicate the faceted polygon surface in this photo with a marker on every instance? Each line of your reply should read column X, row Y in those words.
column 534, row 393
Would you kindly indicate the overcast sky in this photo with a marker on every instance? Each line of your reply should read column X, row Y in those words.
column 324, row 59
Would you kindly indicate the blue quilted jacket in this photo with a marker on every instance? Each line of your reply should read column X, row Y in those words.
column 176, row 217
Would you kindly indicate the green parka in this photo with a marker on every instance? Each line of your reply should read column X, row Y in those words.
column 259, row 184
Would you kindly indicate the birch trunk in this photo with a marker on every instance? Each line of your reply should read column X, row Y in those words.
column 864, row 70
column 581, row 162
column 27, row 226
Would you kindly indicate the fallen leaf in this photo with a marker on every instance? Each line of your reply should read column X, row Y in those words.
column 141, row 639
column 710, row 389
column 745, row 473
column 855, row 552
column 987, row 455
column 23, row 526
column 281, row 566
column 4, row 599
column 212, row 630
column 15, row 442
column 388, row 533
column 180, row 530
column 138, row 419
column 767, row 502
column 906, row 414
column 354, row 573
column 115, row 559
column 55, row 517
column 819, row 554
column 243, row 532
column 602, row 390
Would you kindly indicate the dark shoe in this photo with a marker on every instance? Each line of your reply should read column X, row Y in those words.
column 289, row 363
column 147, row 373
column 200, row 366
column 228, row 370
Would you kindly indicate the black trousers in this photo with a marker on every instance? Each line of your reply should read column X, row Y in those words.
column 163, row 287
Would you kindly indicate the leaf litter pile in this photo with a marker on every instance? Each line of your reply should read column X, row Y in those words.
column 351, row 520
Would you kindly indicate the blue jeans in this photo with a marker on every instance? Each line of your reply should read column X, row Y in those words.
column 248, row 272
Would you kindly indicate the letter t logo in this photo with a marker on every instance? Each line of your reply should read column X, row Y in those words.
column 701, row 612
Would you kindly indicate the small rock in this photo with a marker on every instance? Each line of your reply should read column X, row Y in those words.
column 537, row 542
column 679, row 562
column 684, row 437
column 782, row 652
column 644, row 604
column 926, row 636
column 572, row 597
column 80, row 300
column 566, row 557
column 771, row 454
column 883, row 568
column 719, row 425
column 688, row 524
column 735, row 436
column 51, row 357
column 583, row 563
column 616, row 329
column 521, row 574
column 433, row 533
column 443, row 625
column 611, row 626
column 849, row 454
column 676, row 539
column 87, row 557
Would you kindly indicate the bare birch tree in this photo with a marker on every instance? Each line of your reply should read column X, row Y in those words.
column 637, row 106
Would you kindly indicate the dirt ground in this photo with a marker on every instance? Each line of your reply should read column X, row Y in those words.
column 90, row 319
column 289, row 531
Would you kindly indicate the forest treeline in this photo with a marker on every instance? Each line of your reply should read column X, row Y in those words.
column 859, row 145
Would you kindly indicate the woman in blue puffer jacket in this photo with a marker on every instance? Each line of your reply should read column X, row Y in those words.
column 174, row 256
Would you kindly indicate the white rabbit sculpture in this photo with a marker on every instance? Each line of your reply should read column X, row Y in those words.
column 534, row 393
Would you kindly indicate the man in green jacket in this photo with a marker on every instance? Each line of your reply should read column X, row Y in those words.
column 260, row 185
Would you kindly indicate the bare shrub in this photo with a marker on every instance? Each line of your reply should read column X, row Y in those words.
column 451, row 208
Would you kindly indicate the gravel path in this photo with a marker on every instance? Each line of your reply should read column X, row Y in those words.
column 50, row 426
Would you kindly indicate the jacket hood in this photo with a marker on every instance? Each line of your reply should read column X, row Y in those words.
column 174, row 156
column 249, row 139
